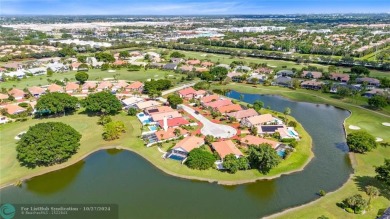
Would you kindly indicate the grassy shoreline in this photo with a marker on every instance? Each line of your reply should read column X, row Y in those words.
column 363, row 163
column 11, row 172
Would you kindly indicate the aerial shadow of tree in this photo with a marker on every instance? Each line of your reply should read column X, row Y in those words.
column 363, row 181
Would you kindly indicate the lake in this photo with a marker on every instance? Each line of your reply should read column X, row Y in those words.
column 143, row 191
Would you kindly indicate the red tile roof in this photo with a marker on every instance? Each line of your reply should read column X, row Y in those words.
column 254, row 140
column 218, row 103
column 135, row 85
column 229, row 108
column 243, row 113
column 36, row 90
column 175, row 122
column 187, row 91
column 164, row 135
column 210, row 98
column 227, row 147
column 16, row 92
column 55, row 88
column 189, row 143
column 14, row 109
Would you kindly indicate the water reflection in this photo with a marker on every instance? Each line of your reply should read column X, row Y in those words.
column 54, row 182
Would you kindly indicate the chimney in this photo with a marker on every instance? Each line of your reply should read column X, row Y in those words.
column 165, row 123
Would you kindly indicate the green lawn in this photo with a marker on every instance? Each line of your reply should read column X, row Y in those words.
column 363, row 165
column 227, row 59
column 94, row 74
column 11, row 171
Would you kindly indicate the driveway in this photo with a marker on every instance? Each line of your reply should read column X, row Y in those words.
column 211, row 128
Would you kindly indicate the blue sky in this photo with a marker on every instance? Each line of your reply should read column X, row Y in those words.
column 190, row 7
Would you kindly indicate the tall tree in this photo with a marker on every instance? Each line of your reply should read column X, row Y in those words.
column 174, row 100
column 361, row 141
column 55, row 103
column 263, row 157
column 102, row 102
column 383, row 173
column 81, row 77
column 45, row 144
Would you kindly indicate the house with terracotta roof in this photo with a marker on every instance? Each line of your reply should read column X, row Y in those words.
column 187, row 93
column 339, row 77
column 201, row 69
column 174, row 122
column 147, row 104
column 241, row 114
column 135, row 87
column 104, row 86
column 207, row 64
column 229, row 108
column 186, row 145
column 55, row 88
column 13, row 109
column 119, row 62
column 255, row 140
column 169, row 115
column 75, row 66
column 258, row 120
column 88, row 86
column 193, row 62
column 72, row 87
column 158, row 109
column 210, row 98
column 312, row 74
column 312, row 85
column 218, row 103
column 187, row 68
column 17, row 93
column 3, row 97
column 121, row 84
column 224, row 148
column 169, row 134
column 36, row 91
column 200, row 93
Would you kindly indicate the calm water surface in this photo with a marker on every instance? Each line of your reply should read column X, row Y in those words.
column 143, row 191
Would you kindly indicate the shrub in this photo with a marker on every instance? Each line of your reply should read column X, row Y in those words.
column 361, row 141
column 200, row 159
column 321, row 193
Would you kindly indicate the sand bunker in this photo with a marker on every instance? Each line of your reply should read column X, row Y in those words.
column 386, row 123
column 378, row 139
column 353, row 127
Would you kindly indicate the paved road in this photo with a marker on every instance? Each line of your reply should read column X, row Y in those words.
column 210, row 128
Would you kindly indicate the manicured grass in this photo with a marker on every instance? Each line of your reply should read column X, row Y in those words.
column 363, row 165
column 95, row 74
column 10, row 169
column 366, row 119
column 227, row 59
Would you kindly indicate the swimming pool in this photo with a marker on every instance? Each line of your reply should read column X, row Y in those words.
column 281, row 153
column 175, row 157
column 152, row 128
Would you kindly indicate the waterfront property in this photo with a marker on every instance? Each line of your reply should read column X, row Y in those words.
column 185, row 146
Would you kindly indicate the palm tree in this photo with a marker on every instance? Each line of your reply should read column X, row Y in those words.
column 372, row 192
column 287, row 111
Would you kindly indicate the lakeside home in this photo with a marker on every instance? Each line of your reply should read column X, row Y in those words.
column 185, row 146
column 242, row 114
column 223, row 148
column 254, row 140
column 258, row 120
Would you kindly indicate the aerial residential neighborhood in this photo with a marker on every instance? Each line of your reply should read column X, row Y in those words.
column 194, row 109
